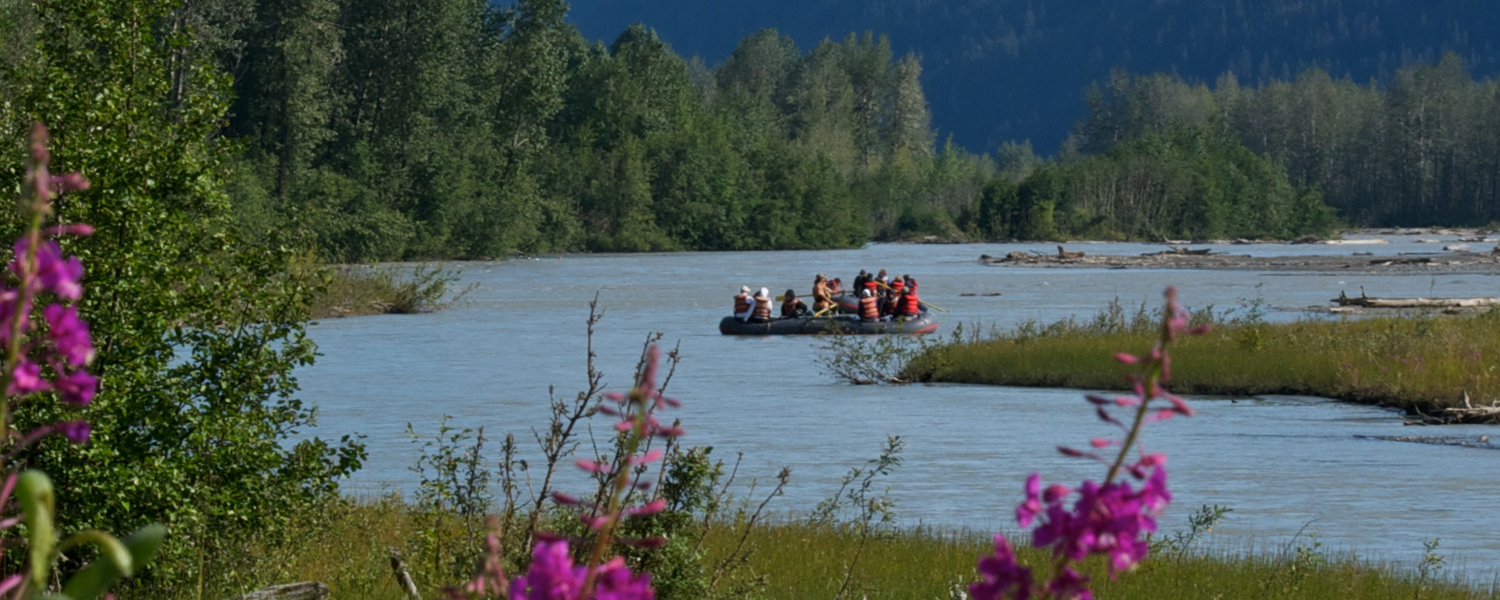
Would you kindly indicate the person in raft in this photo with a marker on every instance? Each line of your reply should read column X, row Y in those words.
column 822, row 294
column 836, row 286
column 891, row 305
column 762, row 311
column 793, row 306
column 743, row 303
column 869, row 307
column 910, row 306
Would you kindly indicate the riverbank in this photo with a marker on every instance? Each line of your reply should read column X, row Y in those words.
column 1422, row 365
column 1214, row 258
column 360, row 290
column 349, row 549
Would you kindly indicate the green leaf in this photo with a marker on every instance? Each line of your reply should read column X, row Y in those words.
column 34, row 490
column 92, row 581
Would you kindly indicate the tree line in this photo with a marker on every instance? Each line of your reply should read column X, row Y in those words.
column 1419, row 151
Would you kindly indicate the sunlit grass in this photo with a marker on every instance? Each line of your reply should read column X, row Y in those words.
column 349, row 550
column 1411, row 362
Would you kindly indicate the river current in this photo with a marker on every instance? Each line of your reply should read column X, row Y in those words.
column 1285, row 466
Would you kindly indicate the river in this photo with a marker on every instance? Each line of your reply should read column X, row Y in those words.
column 1284, row 465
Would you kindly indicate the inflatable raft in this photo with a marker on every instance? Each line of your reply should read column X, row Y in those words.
column 923, row 323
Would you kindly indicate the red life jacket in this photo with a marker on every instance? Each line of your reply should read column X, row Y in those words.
column 869, row 309
column 741, row 304
column 912, row 305
column 896, row 286
column 762, row 309
column 834, row 286
column 872, row 285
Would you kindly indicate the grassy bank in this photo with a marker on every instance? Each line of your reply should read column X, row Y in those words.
column 1409, row 362
column 357, row 290
column 350, row 552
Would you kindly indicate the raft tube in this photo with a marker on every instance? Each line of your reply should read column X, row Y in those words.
column 924, row 323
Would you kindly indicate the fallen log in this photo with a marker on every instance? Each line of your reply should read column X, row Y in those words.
column 1386, row 262
column 1368, row 302
column 1065, row 255
column 306, row 590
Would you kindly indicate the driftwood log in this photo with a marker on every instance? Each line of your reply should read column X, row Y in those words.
column 307, row 590
column 1368, row 302
column 1466, row 414
column 403, row 578
column 1065, row 255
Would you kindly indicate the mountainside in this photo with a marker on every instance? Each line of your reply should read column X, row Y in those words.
column 998, row 70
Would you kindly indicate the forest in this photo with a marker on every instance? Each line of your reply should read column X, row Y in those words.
column 397, row 130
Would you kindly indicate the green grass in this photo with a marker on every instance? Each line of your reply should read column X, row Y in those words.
column 348, row 550
column 1410, row 362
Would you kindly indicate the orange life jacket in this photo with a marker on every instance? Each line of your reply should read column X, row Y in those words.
column 762, row 309
column 741, row 304
column 869, row 309
column 834, row 286
column 912, row 305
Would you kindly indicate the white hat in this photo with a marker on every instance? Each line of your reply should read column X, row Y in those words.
column 764, row 293
column 744, row 289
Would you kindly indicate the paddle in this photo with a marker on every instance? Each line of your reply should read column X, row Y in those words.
column 924, row 302
column 782, row 298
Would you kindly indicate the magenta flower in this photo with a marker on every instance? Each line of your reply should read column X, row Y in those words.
column 552, row 575
column 54, row 273
column 76, row 431
column 614, row 581
column 1000, row 576
column 1111, row 519
column 70, row 334
column 77, row 387
column 26, row 378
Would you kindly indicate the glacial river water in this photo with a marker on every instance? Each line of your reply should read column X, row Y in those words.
column 1284, row 465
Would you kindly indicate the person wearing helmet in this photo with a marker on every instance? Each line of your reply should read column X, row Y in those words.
column 762, row 311
column 743, row 304
column 869, row 306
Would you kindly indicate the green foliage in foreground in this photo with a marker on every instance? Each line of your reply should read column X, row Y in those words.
column 1412, row 362
column 197, row 334
column 349, row 551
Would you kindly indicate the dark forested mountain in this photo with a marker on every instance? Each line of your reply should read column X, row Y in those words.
column 998, row 70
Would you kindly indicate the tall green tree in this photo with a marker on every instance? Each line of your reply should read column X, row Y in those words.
column 197, row 335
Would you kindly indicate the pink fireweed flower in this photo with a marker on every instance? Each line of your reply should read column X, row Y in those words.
column 552, row 575
column 54, row 272
column 1000, row 576
column 1068, row 584
column 26, row 378
column 77, row 432
column 649, row 508
column 594, row 467
column 614, row 581
column 1110, row 519
column 69, row 334
column 1032, row 506
column 77, row 387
